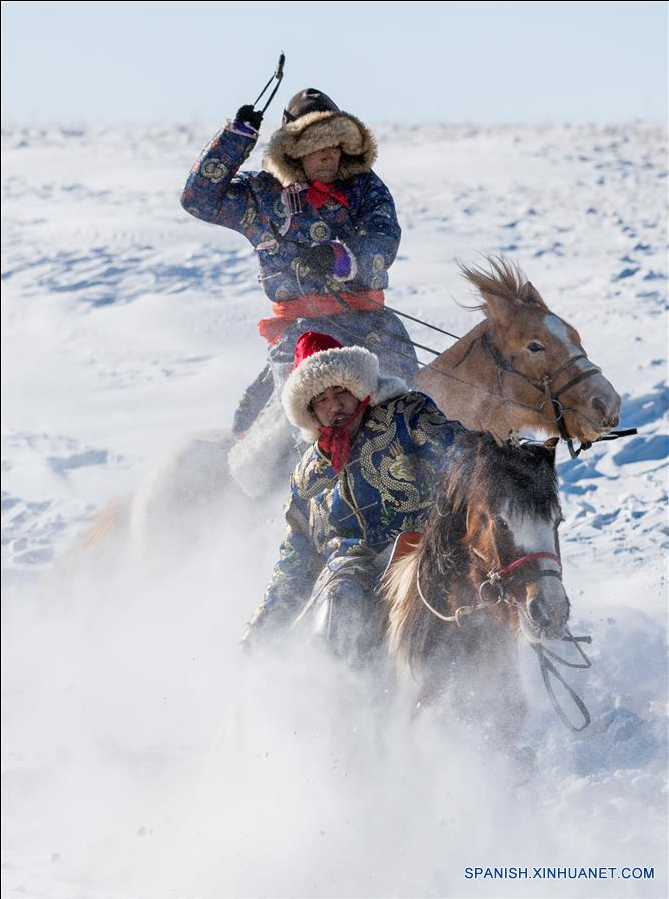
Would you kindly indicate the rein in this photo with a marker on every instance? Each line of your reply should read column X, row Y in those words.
column 544, row 655
column 547, row 667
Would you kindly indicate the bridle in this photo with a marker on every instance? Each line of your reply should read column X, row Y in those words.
column 496, row 578
column 545, row 385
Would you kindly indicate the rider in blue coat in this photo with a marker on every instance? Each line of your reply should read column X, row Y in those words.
column 322, row 223
column 377, row 451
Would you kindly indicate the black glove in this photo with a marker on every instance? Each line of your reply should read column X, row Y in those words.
column 320, row 259
column 249, row 116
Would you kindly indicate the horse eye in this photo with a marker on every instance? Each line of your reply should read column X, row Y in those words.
column 500, row 523
column 535, row 347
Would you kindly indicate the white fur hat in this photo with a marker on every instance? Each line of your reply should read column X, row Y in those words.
column 322, row 362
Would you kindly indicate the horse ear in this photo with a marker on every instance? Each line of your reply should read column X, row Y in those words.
column 532, row 297
column 550, row 446
column 497, row 309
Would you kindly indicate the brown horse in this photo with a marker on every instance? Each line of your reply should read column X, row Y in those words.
column 487, row 568
column 522, row 368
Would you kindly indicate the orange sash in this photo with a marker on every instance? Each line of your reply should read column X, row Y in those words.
column 313, row 306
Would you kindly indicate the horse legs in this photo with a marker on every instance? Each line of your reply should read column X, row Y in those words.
column 498, row 684
column 479, row 684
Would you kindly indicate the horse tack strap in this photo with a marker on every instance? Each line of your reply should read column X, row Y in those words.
column 586, row 444
column 460, row 612
column 493, row 578
column 548, row 668
column 503, row 365
column 496, row 577
column 518, row 563
column 544, row 384
column 614, row 435
column 467, row 352
column 523, row 579
column 577, row 378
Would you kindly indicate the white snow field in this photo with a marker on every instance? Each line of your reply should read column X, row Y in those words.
column 142, row 757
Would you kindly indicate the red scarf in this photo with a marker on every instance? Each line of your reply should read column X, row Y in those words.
column 336, row 440
column 319, row 194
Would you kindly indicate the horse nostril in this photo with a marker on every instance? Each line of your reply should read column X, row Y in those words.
column 536, row 612
column 599, row 405
column 609, row 416
column 549, row 621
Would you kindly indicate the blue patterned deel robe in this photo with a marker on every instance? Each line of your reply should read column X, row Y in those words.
column 278, row 221
column 333, row 520
column 256, row 205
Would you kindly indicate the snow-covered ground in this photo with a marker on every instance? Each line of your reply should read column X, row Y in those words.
column 140, row 759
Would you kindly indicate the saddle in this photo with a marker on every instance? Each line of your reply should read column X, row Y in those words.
column 404, row 543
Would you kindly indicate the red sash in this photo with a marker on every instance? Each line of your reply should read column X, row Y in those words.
column 313, row 306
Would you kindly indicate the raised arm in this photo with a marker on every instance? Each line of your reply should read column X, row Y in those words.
column 214, row 192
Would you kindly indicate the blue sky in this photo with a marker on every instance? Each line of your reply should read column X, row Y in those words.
column 84, row 63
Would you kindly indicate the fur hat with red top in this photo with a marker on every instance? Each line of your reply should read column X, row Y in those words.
column 322, row 362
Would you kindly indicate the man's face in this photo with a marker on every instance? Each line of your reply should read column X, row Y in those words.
column 322, row 165
column 334, row 406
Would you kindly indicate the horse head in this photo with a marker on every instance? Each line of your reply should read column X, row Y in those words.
column 489, row 548
column 512, row 514
column 486, row 567
column 542, row 355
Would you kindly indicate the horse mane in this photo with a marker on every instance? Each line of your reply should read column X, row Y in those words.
column 505, row 280
column 480, row 475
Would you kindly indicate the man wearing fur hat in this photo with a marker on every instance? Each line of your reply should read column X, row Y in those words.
column 323, row 226
column 376, row 456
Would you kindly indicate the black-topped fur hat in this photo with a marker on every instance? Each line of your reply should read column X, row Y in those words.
column 313, row 121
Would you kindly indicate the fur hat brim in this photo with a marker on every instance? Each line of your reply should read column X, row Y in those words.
column 354, row 368
column 316, row 131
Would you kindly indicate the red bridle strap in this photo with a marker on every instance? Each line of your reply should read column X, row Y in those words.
column 524, row 560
